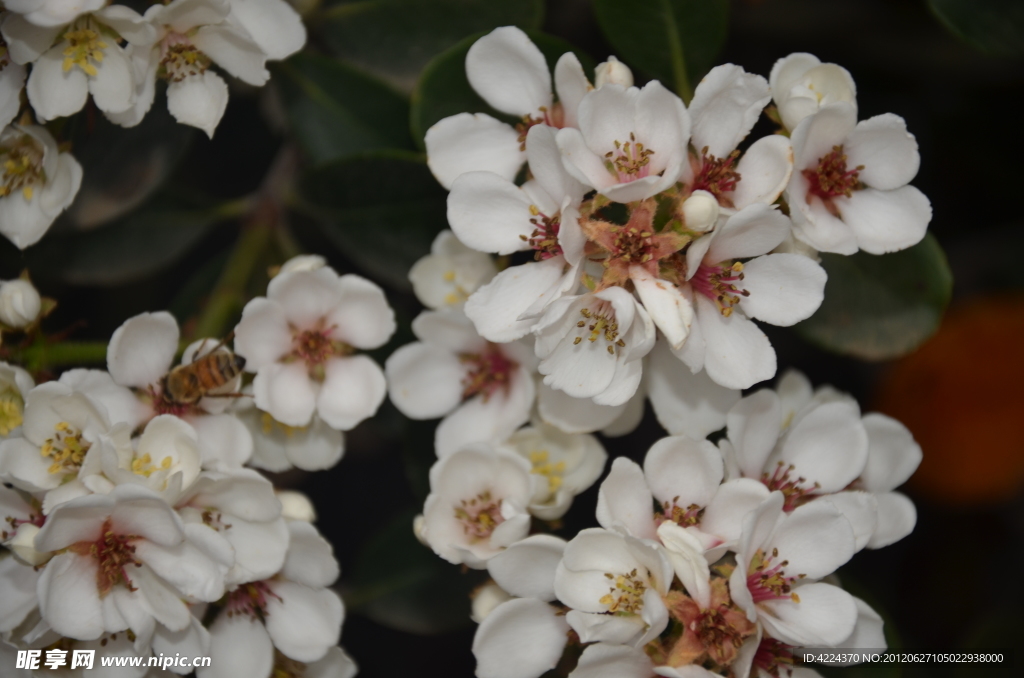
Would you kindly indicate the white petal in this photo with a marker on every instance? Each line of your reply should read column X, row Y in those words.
column 496, row 307
column 26, row 40
column 828, row 446
column 449, row 330
column 670, row 310
column 546, row 163
column 815, row 538
column 520, row 639
column 54, row 92
column 239, row 644
column 574, row 415
column 726, row 104
column 867, row 634
column 816, row 135
column 303, row 622
column 199, row 101
column 571, row 85
column 765, row 170
column 468, row 142
column 738, row 353
column 526, row 569
column 893, row 454
column 825, row 616
column 68, row 598
column 285, row 391
column 687, row 557
column 612, row 661
column 581, row 162
column 260, row 549
column 887, row 221
column 364, row 318
column 310, row 559
column 886, row 149
column 487, row 420
column 489, row 213
column 685, row 403
column 683, row 471
column 624, row 500
column 142, row 349
column 723, row 517
column 223, row 440
column 424, row 381
column 508, row 72
column 232, row 49
column 352, row 391
column 605, row 628
column 273, row 24
column 752, row 231
column 861, row 509
column 17, row 593
column 896, row 519
column 784, row 288
column 307, row 297
column 262, row 336
column 113, row 88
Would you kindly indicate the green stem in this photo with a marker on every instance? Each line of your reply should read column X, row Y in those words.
column 675, row 46
column 228, row 294
column 42, row 355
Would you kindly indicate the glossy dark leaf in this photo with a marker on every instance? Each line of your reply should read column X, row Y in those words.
column 992, row 26
column 335, row 111
column 675, row 41
column 879, row 307
column 395, row 39
column 382, row 210
column 444, row 89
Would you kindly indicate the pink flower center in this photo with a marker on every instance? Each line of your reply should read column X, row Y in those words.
column 773, row 656
column 113, row 554
column 717, row 176
column 769, row 582
column 718, row 283
column 792, row 488
column 553, row 117
column 489, row 371
column 830, row 179
column 250, row 599
column 315, row 346
column 629, row 161
column 479, row 516
column 179, row 58
column 544, row 239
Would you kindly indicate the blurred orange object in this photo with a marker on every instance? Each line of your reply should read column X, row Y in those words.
column 962, row 396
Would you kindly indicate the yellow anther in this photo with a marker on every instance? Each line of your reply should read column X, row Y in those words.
column 85, row 47
column 449, row 276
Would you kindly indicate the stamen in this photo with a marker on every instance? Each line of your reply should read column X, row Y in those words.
column 113, row 554
column 479, row 516
column 544, row 239
column 769, row 582
column 830, row 179
column 792, row 489
column 630, row 160
column 717, row 176
column 539, row 460
column 627, row 595
column 251, row 600
column 22, row 167
column 489, row 372
column 553, row 117
column 718, row 283
column 180, row 59
column 85, row 46
column 603, row 325
column 66, row 448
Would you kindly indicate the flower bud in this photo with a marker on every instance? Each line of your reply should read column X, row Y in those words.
column 819, row 86
column 485, row 599
column 19, row 303
column 613, row 72
column 417, row 529
column 700, row 211
column 296, row 506
column 303, row 262
column 23, row 544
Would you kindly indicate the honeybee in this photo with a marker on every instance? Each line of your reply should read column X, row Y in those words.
column 187, row 384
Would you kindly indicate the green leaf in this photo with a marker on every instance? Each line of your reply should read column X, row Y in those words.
column 444, row 90
column 133, row 247
column 395, row 39
column 992, row 26
column 880, row 307
column 382, row 210
column 675, row 41
column 400, row 583
column 122, row 167
column 335, row 111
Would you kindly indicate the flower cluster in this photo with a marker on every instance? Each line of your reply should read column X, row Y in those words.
column 709, row 559
column 639, row 240
column 61, row 54
column 129, row 506
column 650, row 222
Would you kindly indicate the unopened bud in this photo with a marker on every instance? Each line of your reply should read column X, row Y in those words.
column 296, row 506
column 19, row 303
column 303, row 262
column 418, row 529
column 612, row 72
column 485, row 599
column 822, row 85
column 23, row 545
column 700, row 211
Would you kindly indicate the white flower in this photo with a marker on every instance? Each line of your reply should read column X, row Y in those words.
column 128, row 562
column 892, row 458
column 273, row 25
column 50, row 13
column 526, row 569
column 591, row 345
column 12, row 79
column 84, row 57
column 483, row 390
column 296, row 506
column 583, row 415
column 631, row 142
column 511, row 74
column 725, row 106
column 278, row 447
column 563, row 466
column 781, row 289
column 801, row 85
column 491, row 214
column 485, row 599
column 446, row 277
column 612, row 72
column 850, row 189
column 299, row 340
column 614, row 585
column 779, row 559
column 477, row 505
column 37, row 183
column 521, row 638
column 20, row 303
column 293, row 612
